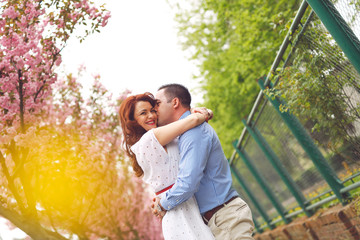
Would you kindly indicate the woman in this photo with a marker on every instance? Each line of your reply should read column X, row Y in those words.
column 155, row 156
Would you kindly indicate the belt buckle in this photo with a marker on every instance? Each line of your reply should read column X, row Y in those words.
column 205, row 220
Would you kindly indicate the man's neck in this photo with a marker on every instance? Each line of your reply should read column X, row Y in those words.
column 179, row 113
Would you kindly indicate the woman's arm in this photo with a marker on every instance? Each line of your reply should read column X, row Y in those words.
column 167, row 133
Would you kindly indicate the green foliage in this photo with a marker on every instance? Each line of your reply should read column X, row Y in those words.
column 316, row 86
column 357, row 204
column 234, row 43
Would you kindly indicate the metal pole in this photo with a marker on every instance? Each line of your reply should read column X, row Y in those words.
column 253, row 199
column 275, row 64
column 262, row 182
column 309, row 146
column 279, row 168
column 339, row 29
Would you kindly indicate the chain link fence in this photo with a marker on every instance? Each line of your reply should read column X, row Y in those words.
column 317, row 85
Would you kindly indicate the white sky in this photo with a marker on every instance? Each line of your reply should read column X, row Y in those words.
column 138, row 50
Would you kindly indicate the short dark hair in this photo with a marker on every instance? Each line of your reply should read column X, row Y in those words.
column 174, row 90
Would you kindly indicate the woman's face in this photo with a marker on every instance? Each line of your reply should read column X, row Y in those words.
column 145, row 115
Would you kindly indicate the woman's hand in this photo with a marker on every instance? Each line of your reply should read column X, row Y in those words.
column 204, row 111
column 199, row 117
column 156, row 208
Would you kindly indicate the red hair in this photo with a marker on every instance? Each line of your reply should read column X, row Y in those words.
column 131, row 130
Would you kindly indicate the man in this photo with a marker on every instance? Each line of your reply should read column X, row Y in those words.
column 203, row 171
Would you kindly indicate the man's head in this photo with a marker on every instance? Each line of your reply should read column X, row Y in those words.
column 173, row 100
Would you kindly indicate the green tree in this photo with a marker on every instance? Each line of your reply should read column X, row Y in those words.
column 320, row 86
column 233, row 43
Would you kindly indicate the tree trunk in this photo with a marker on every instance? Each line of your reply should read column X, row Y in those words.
column 29, row 226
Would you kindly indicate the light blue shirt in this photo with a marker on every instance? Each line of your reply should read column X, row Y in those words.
column 203, row 170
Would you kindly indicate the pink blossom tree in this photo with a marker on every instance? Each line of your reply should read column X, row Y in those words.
column 63, row 174
column 94, row 194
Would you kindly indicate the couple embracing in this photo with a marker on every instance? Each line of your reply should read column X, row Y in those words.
column 179, row 155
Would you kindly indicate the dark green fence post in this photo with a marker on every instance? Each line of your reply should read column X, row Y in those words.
column 257, row 226
column 279, row 168
column 339, row 29
column 264, row 186
column 253, row 199
column 309, row 146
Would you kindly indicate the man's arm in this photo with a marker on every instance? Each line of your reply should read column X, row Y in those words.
column 194, row 146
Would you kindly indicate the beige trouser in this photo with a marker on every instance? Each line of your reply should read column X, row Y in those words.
column 233, row 221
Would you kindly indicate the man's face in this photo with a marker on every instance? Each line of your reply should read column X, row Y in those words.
column 164, row 109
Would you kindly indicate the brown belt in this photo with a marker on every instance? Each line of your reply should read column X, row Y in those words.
column 207, row 216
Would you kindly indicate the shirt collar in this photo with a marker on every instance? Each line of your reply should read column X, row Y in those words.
column 185, row 114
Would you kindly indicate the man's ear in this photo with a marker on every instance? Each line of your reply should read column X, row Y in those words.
column 176, row 103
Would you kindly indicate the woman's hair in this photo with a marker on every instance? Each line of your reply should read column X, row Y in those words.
column 131, row 130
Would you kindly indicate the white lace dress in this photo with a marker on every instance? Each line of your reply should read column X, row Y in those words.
column 160, row 171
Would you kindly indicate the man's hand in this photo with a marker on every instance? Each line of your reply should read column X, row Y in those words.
column 157, row 209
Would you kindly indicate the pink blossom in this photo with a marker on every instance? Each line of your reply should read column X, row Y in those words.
column 11, row 130
column 81, row 68
column 2, row 23
column 77, row 5
column 74, row 17
column 30, row 45
column 105, row 19
column 10, row 12
column 58, row 61
column 60, row 23
column 96, row 76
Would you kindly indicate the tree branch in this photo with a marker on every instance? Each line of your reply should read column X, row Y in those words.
column 29, row 226
column 19, row 161
column 44, row 81
column 94, row 196
column 21, row 98
column 11, row 183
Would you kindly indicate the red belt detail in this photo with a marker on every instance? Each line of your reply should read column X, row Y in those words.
column 165, row 189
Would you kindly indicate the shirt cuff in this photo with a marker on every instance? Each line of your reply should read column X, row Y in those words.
column 165, row 204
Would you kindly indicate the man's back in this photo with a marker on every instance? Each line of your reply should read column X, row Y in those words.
column 203, row 161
